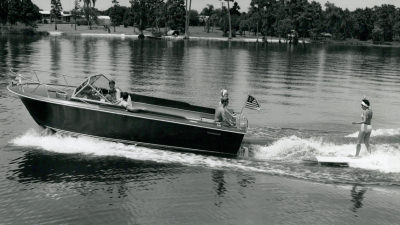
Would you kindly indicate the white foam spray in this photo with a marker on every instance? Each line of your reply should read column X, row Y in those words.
column 379, row 133
column 384, row 157
column 96, row 147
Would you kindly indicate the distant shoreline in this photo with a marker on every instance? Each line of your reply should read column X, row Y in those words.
column 356, row 42
column 196, row 33
column 21, row 30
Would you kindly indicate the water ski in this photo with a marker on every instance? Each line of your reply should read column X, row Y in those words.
column 339, row 161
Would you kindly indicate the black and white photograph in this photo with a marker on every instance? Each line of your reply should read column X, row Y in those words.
column 199, row 112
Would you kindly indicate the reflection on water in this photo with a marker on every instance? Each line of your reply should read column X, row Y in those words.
column 357, row 196
column 89, row 54
column 3, row 58
column 219, row 184
column 55, row 50
column 47, row 167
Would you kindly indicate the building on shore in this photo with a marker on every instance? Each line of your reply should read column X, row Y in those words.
column 104, row 20
column 66, row 17
column 46, row 17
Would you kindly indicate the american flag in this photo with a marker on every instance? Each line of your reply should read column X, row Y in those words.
column 252, row 103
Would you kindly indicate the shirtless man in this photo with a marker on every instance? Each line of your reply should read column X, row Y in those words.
column 222, row 115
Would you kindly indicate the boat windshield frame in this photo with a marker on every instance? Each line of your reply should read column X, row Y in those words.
column 90, row 83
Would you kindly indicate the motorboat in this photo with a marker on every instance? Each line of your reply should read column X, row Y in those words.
column 160, row 123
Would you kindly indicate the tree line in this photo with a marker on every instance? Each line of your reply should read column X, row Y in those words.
column 266, row 18
column 23, row 11
column 278, row 18
column 145, row 14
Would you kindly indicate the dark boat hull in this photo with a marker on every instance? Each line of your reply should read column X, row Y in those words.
column 132, row 129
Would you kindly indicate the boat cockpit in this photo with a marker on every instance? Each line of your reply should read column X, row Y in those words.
column 94, row 90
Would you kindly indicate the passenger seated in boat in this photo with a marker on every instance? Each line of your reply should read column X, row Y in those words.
column 222, row 114
column 126, row 102
column 113, row 94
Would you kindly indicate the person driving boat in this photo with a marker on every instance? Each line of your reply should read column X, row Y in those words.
column 113, row 93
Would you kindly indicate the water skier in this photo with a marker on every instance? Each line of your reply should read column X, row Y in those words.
column 366, row 127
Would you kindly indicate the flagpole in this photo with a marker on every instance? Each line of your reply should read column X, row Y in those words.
column 244, row 105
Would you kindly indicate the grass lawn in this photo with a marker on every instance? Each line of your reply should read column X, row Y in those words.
column 97, row 29
column 197, row 31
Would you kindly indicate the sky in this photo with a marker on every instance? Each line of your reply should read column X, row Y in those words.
column 244, row 4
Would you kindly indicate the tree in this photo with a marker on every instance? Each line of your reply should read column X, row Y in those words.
column 89, row 11
column 127, row 19
column 235, row 17
column 348, row 24
column 194, row 18
column 278, row 26
column 221, row 16
column 188, row 7
column 143, row 13
column 159, row 15
column 229, row 19
column 305, row 20
column 263, row 13
column 29, row 12
column 317, row 17
column 133, row 14
column 206, row 14
column 363, row 23
column 213, row 19
column 139, row 8
column 3, row 11
column 115, row 18
column 243, row 25
column 254, row 20
column 235, row 9
column 14, row 9
column 76, row 12
column 284, row 27
column 396, row 30
column 55, row 12
column 207, row 11
column 176, row 14
column 334, row 19
column 377, row 35
column 385, row 15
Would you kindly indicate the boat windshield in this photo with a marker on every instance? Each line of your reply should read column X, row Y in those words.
column 93, row 88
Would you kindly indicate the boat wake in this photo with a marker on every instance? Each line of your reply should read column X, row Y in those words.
column 96, row 147
column 282, row 157
column 384, row 158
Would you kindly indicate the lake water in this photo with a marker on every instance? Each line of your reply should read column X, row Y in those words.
column 309, row 97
